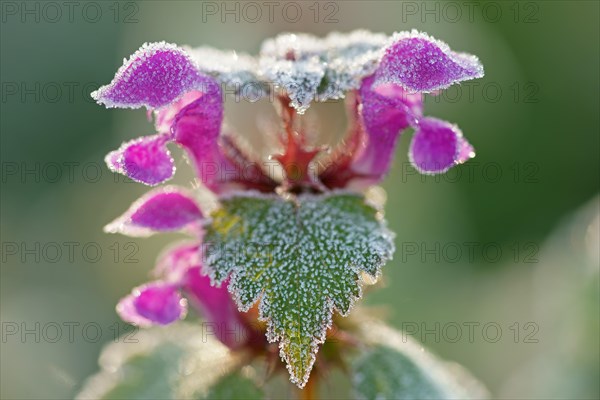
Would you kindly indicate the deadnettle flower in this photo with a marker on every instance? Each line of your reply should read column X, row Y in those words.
column 382, row 81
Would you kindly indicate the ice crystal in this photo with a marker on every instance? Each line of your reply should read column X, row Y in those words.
column 237, row 71
column 310, row 68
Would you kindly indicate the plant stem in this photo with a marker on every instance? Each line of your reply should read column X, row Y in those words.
column 310, row 390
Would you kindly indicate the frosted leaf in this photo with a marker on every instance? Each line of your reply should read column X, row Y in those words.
column 350, row 58
column 299, row 79
column 320, row 68
column 301, row 259
column 237, row 71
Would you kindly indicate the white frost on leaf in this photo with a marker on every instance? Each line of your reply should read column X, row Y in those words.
column 299, row 79
column 320, row 68
column 237, row 71
column 301, row 259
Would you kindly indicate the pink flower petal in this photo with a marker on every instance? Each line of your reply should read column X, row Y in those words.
column 165, row 116
column 386, row 111
column 217, row 309
column 181, row 265
column 163, row 210
column 197, row 127
column 173, row 264
column 437, row 146
column 154, row 76
column 419, row 63
column 146, row 160
column 153, row 303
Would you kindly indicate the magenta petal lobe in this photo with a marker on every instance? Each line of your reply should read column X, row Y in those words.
column 174, row 262
column 165, row 116
column 386, row 111
column 420, row 63
column 161, row 210
column 155, row 75
column 154, row 303
column 197, row 128
column 146, row 160
column 437, row 146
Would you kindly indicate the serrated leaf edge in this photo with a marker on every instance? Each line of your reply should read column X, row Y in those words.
column 271, row 335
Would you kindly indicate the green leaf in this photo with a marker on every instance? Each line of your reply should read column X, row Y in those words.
column 396, row 367
column 301, row 258
column 235, row 386
column 178, row 361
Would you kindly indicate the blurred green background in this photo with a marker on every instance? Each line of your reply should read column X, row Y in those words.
column 530, row 192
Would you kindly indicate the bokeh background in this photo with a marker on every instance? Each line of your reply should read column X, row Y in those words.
column 531, row 192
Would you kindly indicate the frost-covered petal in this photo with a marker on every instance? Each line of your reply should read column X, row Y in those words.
column 420, row 63
column 386, row 111
column 174, row 262
column 181, row 265
column 146, row 160
column 164, row 209
column 197, row 128
column 219, row 163
column 438, row 145
column 154, row 76
column 155, row 303
column 217, row 308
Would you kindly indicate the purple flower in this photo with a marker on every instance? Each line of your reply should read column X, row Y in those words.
column 383, row 81
column 180, row 281
column 153, row 303
column 382, row 78
column 146, row 160
column 161, row 210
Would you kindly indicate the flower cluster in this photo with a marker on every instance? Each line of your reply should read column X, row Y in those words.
column 382, row 80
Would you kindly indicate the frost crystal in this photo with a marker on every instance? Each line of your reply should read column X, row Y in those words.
column 237, row 71
column 300, row 259
column 299, row 79
column 320, row 69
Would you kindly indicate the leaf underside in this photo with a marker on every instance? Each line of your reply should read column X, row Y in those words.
column 301, row 259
